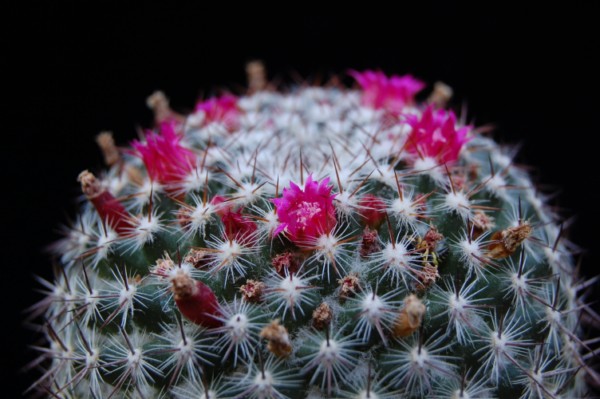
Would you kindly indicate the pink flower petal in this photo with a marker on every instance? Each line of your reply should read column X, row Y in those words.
column 435, row 135
column 391, row 94
column 305, row 214
column 166, row 161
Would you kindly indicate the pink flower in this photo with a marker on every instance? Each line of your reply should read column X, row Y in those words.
column 237, row 226
column 373, row 210
column 306, row 214
column 435, row 135
column 390, row 94
column 166, row 160
column 222, row 109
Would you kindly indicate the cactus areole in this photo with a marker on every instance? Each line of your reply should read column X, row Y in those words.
column 321, row 242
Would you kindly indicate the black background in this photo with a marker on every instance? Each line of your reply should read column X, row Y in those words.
column 71, row 72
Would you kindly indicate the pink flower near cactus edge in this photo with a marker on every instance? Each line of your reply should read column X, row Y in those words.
column 435, row 135
column 391, row 94
column 166, row 160
column 308, row 213
column 222, row 109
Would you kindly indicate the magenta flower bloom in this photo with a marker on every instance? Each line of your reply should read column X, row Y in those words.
column 306, row 214
column 222, row 109
column 435, row 135
column 166, row 160
column 390, row 94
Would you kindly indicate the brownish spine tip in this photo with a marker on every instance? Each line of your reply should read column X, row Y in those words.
column 349, row 286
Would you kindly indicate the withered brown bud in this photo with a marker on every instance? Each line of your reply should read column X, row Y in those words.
column 505, row 242
column 110, row 152
column 322, row 315
column 159, row 104
column 427, row 276
column 349, row 285
column 481, row 223
column 410, row 317
column 279, row 339
column 163, row 266
column 252, row 291
column 183, row 286
column 430, row 240
column 196, row 257
column 286, row 260
column 90, row 186
column 370, row 242
column 441, row 94
column 256, row 73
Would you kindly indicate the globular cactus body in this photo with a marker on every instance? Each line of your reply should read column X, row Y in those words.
column 322, row 242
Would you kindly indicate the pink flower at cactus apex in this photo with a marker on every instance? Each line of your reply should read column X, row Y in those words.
column 391, row 94
column 434, row 135
column 166, row 160
column 308, row 213
column 222, row 109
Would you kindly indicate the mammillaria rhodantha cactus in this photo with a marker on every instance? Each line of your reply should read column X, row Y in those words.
column 319, row 242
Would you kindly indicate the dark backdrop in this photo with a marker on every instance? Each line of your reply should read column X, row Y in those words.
column 73, row 72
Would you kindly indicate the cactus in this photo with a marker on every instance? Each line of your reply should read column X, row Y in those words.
column 322, row 242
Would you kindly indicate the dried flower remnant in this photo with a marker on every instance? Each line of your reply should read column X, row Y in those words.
column 253, row 290
column 322, row 315
column 279, row 340
column 505, row 242
column 410, row 317
column 287, row 261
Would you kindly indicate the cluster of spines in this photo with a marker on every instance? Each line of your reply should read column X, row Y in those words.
column 440, row 262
